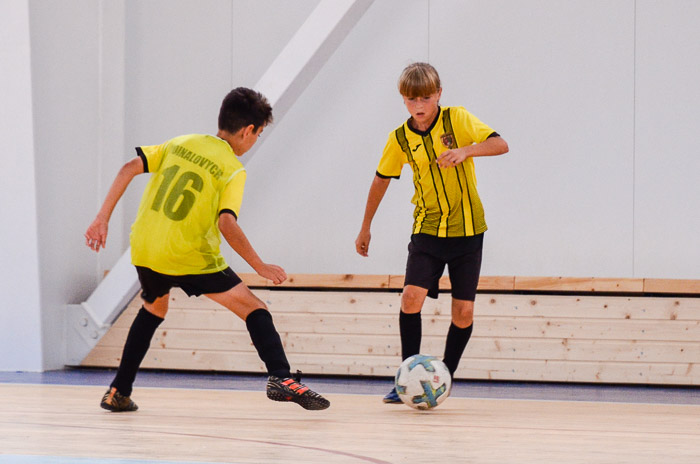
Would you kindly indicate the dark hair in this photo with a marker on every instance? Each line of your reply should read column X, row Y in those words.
column 242, row 107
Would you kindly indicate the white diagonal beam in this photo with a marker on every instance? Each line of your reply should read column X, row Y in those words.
column 305, row 54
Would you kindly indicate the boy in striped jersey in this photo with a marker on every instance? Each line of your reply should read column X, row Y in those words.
column 193, row 197
column 439, row 144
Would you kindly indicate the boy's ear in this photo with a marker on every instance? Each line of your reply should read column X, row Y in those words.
column 248, row 130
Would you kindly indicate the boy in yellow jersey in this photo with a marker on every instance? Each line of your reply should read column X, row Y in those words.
column 439, row 144
column 194, row 194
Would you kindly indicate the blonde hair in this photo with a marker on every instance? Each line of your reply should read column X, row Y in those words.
column 419, row 80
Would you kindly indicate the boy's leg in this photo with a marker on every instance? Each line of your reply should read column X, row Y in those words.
column 242, row 302
column 137, row 343
column 423, row 271
column 410, row 324
column 280, row 386
column 459, row 332
column 424, row 267
column 410, row 328
column 464, row 276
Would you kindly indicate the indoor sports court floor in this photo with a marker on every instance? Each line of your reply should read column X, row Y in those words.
column 184, row 418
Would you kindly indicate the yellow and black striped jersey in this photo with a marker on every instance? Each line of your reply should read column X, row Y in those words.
column 447, row 203
column 194, row 178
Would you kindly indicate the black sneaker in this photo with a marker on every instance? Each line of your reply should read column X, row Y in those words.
column 116, row 402
column 291, row 389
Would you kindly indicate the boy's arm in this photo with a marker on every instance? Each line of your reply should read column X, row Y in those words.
column 96, row 235
column 376, row 193
column 490, row 147
column 232, row 232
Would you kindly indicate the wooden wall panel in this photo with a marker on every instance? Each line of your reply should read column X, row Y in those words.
column 672, row 286
column 573, row 284
column 479, row 347
column 568, row 338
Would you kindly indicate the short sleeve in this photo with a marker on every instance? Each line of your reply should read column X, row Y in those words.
column 476, row 130
column 232, row 196
column 393, row 159
column 152, row 156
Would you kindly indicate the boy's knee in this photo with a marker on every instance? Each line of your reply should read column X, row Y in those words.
column 412, row 300
column 159, row 307
column 258, row 303
column 462, row 313
column 251, row 303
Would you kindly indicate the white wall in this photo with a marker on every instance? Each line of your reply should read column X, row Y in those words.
column 667, row 157
column 69, row 158
column 558, row 80
column 566, row 86
column 599, row 111
column 20, row 314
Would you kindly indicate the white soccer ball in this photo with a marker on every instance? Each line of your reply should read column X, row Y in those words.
column 423, row 381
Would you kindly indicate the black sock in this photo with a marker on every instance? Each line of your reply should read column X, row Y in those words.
column 137, row 343
column 455, row 344
column 267, row 342
column 411, row 329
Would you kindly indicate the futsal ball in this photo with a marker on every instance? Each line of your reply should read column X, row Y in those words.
column 423, row 381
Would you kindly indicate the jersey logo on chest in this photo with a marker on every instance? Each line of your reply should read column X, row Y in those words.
column 448, row 140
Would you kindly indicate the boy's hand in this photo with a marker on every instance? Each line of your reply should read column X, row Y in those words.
column 452, row 158
column 96, row 235
column 362, row 242
column 272, row 272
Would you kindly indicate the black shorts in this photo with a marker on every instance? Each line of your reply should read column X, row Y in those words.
column 154, row 284
column 428, row 255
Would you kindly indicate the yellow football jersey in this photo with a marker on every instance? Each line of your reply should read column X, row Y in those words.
column 447, row 203
column 194, row 178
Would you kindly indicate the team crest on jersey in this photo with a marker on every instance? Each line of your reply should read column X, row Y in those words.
column 448, row 141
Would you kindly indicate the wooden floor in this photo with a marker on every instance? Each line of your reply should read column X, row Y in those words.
column 63, row 424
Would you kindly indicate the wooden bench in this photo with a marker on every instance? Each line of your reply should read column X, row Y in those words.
column 639, row 331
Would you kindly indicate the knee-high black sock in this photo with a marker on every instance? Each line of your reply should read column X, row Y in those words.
column 267, row 342
column 411, row 329
column 457, row 340
column 137, row 343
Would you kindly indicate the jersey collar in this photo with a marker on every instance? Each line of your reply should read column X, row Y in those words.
column 427, row 131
